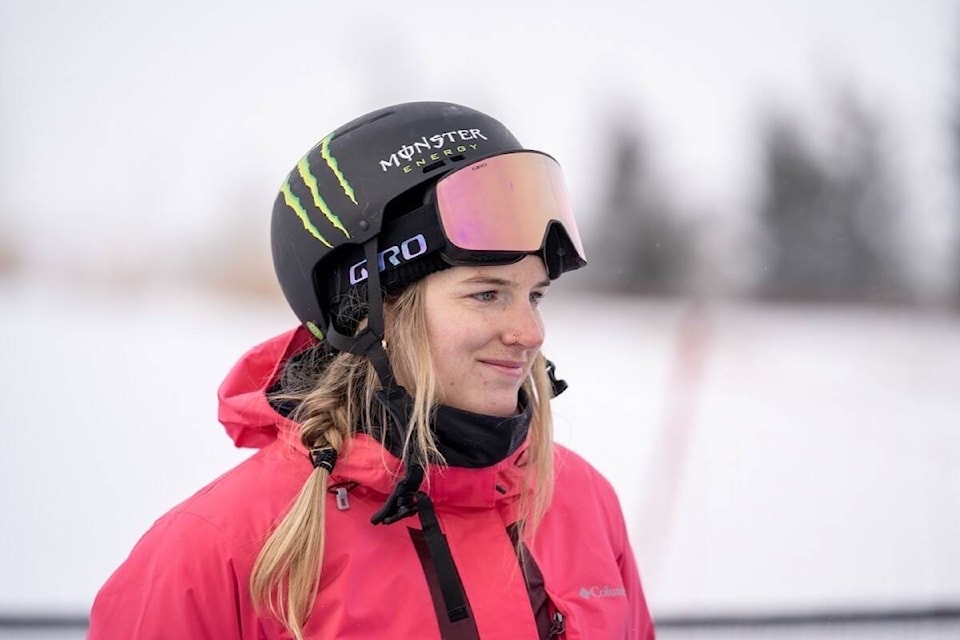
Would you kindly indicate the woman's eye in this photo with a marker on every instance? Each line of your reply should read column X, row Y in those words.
column 536, row 298
column 485, row 296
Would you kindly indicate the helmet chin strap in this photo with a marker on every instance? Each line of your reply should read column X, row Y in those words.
column 403, row 500
column 406, row 499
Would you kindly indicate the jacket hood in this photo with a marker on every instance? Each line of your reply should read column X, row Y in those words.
column 244, row 410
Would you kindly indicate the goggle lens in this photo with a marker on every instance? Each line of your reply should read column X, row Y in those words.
column 506, row 203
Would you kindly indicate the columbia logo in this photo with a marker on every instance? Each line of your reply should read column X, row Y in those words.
column 602, row 592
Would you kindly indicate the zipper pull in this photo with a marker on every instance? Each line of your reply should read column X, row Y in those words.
column 343, row 503
column 558, row 626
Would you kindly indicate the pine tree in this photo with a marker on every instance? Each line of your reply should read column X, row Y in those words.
column 799, row 234
column 639, row 243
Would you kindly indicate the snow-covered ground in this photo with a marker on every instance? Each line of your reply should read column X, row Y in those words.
column 767, row 457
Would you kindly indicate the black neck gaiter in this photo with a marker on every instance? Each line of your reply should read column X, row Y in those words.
column 474, row 440
column 464, row 439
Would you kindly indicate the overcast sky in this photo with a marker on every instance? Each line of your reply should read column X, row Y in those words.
column 148, row 123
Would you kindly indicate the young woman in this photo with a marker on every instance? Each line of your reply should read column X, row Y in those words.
column 406, row 483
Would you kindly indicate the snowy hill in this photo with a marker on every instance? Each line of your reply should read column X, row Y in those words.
column 766, row 457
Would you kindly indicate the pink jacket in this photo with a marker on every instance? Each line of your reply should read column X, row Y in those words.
column 188, row 576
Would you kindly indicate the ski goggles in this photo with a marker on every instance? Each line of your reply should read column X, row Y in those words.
column 493, row 211
column 501, row 208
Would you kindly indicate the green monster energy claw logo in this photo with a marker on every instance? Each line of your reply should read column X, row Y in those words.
column 294, row 203
column 332, row 163
column 309, row 179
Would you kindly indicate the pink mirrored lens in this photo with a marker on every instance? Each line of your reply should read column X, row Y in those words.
column 505, row 203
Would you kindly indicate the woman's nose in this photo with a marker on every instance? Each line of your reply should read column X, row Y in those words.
column 524, row 327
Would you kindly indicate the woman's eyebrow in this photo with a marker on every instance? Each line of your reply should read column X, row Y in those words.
column 501, row 282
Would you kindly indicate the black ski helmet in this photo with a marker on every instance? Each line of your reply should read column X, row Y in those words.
column 338, row 192
column 343, row 196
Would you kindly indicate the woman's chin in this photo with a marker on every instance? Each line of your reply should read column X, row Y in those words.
column 488, row 406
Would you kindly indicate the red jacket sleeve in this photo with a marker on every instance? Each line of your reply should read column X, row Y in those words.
column 641, row 624
column 180, row 581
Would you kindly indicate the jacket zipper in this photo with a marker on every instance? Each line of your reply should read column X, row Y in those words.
column 340, row 491
column 343, row 503
column 557, row 625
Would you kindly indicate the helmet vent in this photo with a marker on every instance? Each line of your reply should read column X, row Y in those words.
column 433, row 166
column 363, row 123
column 457, row 158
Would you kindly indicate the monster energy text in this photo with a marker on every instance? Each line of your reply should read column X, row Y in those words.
column 427, row 144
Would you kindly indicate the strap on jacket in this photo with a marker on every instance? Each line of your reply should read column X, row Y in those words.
column 450, row 585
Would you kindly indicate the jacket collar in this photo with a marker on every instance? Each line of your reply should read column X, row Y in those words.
column 367, row 463
column 251, row 421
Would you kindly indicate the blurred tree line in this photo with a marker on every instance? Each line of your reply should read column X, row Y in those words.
column 830, row 223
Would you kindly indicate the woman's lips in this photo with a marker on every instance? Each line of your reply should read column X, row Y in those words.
column 507, row 367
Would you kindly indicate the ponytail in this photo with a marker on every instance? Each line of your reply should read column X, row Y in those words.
column 286, row 574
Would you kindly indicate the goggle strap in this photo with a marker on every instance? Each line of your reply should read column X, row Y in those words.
column 404, row 241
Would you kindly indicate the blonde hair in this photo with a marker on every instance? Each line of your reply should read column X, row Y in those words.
column 334, row 399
